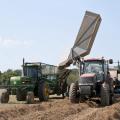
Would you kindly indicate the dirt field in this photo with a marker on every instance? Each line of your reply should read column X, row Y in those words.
column 58, row 109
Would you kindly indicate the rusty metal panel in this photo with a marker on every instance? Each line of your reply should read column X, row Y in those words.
column 85, row 38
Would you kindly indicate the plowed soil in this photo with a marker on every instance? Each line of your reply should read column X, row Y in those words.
column 58, row 109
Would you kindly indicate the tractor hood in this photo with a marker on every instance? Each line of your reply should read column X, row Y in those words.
column 16, row 80
column 88, row 75
column 87, row 79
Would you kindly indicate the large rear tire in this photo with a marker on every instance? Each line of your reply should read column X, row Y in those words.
column 4, row 96
column 73, row 93
column 43, row 91
column 105, row 95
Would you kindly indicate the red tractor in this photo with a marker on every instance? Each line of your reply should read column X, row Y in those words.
column 95, row 81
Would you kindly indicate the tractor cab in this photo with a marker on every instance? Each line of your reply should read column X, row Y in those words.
column 39, row 70
column 32, row 71
column 97, row 67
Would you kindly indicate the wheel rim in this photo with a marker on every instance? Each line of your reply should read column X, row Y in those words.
column 46, row 91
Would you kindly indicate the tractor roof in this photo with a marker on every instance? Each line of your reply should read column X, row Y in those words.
column 36, row 64
column 32, row 65
column 94, row 59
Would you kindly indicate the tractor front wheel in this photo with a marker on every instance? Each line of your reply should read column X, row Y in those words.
column 4, row 96
column 73, row 93
column 30, row 97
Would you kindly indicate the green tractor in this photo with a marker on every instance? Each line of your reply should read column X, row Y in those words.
column 38, row 80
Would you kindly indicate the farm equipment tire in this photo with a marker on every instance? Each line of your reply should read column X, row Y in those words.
column 30, row 97
column 105, row 95
column 4, row 96
column 111, row 99
column 20, row 95
column 73, row 93
column 43, row 91
column 64, row 90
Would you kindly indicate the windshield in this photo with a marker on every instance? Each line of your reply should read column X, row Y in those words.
column 30, row 72
column 93, row 67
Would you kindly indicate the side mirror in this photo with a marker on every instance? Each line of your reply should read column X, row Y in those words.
column 110, row 61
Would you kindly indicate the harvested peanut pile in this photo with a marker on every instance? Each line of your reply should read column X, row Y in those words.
column 59, row 109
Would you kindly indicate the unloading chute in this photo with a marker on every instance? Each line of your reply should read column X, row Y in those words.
column 84, row 39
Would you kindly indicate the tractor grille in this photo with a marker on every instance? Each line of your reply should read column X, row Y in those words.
column 87, row 80
column 85, row 90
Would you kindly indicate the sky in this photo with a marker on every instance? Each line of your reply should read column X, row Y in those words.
column 45, row 30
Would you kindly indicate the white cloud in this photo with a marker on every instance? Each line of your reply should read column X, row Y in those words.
column 11, row 42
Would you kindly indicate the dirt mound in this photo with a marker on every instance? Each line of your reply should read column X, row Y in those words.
column 51, row 110
column 18, row 111
column 99, row 113
column 59, row 109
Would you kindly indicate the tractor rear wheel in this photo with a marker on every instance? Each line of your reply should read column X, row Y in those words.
column 105, row 95
column 73, row 93
column 20, row 95
column 43, row 91
column 30, row 97
column 4, row 96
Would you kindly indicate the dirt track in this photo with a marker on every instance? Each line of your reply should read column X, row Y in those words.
column 59, row 109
